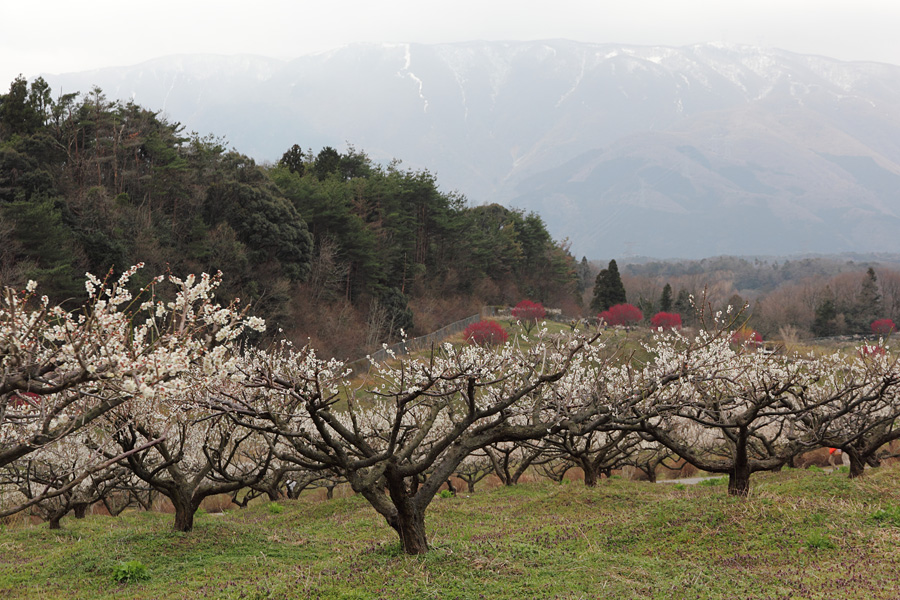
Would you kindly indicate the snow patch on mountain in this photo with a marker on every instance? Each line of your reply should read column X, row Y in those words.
column 578, row 79
column 405, row 71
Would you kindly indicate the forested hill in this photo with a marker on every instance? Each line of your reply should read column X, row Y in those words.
column 326, row 245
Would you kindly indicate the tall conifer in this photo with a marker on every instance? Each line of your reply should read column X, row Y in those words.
column 868, row 303
column 608, row 288
column 665, row 300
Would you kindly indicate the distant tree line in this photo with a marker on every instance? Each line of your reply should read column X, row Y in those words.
column 801, row 298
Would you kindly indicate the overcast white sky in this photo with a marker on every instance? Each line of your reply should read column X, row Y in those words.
column 57, row 36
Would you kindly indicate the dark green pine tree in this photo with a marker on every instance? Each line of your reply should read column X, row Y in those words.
column 22, row 112
column 825, row 323
column 608, row 288
column 665, row 299
column 868, row 303
column 683, row 307
column 294, row 159
column 397, row 314
column 327, row 161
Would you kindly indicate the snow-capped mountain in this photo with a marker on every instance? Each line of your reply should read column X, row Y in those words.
column 662, row 151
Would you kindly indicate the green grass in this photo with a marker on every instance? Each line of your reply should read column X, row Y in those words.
column 800, row 534
column 714, row 481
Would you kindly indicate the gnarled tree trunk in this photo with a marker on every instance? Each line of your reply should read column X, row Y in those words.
column 54, row 518
column 80, row 509
column 739, row 477
column 591, row 474
column 857, row 464
column 409, row 523
column 185, row 508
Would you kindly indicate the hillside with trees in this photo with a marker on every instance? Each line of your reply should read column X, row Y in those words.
column 325, row 245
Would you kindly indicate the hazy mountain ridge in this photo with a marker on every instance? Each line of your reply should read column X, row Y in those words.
column 662, row 151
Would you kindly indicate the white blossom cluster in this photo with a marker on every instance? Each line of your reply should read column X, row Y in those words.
column 62, row 370
column 159, row 375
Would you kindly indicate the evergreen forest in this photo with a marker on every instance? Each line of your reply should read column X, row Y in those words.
column 327, row 246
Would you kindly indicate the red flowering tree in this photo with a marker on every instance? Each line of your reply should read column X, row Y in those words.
column 622, row 314
column 485, row 333
column 883, row 327
column 746, row 337
column 666, row 321
column 528, row 313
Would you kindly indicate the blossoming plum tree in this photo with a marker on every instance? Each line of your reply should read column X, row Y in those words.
column 528, row 313
column 510, row 460
column 666, row 321
column 596, row 452
column 883, row 327
column 733, row 413
column 50, row 480
column 622, row 314
column 485, row 333
column 200, row 452
column 397, row 441
column 474, row 468
column 853, row 404
column 63, row 370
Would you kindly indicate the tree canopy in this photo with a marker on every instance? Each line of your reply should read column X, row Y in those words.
column 320, row 240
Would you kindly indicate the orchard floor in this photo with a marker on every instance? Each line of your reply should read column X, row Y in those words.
column 800, row 534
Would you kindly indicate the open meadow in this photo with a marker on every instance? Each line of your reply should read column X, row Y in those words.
column 799, row 534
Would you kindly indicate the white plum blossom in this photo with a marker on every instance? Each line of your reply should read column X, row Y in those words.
column 62, row 370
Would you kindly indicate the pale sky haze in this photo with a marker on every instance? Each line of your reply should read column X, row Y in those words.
column 57, row 36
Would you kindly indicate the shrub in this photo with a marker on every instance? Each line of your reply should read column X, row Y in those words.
column 484, row 333
column 133, row 570
column 528, row 313
column 526, row 310
column 275, row 508
column 666, row 321
column 622, row 314
column 746, row 337
column 883, row 327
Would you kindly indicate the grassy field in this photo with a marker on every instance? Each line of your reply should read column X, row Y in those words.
column 801, row 534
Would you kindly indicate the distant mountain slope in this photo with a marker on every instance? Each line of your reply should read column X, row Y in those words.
column 659, row 151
